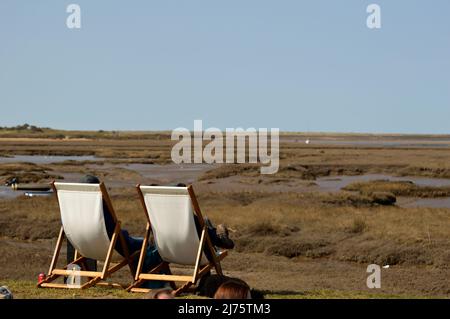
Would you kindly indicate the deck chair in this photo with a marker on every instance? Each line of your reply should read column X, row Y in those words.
column 81, row 208
column 170, row 216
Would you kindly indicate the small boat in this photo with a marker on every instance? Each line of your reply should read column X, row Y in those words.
column 31, row 187
column 38, row 193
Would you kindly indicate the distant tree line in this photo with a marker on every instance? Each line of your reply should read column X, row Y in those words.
column 25, row 127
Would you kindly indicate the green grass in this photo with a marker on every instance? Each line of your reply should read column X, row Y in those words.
column 336, row 294
column 28, row 290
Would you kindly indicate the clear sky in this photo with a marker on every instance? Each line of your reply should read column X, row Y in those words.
column 295, row 65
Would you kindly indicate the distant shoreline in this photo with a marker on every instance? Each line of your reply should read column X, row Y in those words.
column 76, row 135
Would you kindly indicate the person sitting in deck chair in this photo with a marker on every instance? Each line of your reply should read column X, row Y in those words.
column 133, row 243
column 219, row 235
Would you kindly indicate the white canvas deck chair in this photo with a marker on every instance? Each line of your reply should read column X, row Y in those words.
column 83, row 223
column 170, row 216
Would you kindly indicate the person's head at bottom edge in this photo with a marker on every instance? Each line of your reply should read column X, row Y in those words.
column 163, row 293
column 233, row 289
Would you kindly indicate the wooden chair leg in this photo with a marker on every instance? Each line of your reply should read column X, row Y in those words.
column 57, row 250
column 169, row 272
column 105, row 271
column 143, row 252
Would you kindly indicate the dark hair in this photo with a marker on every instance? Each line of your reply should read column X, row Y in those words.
column 90, row 179
column 256, row 294
column 208, row 285
column 233, row 289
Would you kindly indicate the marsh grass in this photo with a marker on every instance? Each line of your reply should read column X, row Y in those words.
column 275, row 231
column 23, row 289
column 358, row 226
column 401, row 188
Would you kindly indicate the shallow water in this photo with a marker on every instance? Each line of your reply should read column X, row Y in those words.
column 7, row 192
column 335, row 184
column 187, row 173
column 425, row 202
column 41, row 159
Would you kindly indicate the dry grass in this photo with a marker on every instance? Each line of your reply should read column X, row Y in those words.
column 408, row 189
column 26, row 172
column 300, row 225
column 298, row 160
column 286, row 227
column 358, row 226
column 23, row 289
column 276, row 232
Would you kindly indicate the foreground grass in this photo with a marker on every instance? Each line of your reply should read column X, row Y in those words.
column 28, row 290
column 335, row 294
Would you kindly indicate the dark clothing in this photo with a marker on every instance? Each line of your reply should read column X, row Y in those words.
column 152, row 259
column 212, row 233
column 91, row 264
column 134, row 244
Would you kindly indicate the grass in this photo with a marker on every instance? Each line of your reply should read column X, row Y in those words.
column 333, row 294
column 26, row 172
column 358, row 226
column 23, row 289
column 287, row 224
column 297, row 160
column 49, row 133
column 401, row 188
column 289, row 236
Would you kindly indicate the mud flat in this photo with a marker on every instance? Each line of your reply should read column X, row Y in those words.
column 42, row 159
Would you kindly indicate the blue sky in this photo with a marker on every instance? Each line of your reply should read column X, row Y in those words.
column 294, row 65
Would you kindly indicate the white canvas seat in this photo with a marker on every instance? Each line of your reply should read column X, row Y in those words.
column 83, row 224
column 81, row 207
column 170, row 213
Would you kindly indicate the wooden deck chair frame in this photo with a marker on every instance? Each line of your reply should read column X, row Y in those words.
column 199, row 271
column 94, row 277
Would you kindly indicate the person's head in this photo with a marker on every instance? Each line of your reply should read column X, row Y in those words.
column 5, row 293
column 90, row 179
column 208, row 285
column 163, row 293
column 233, row 289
